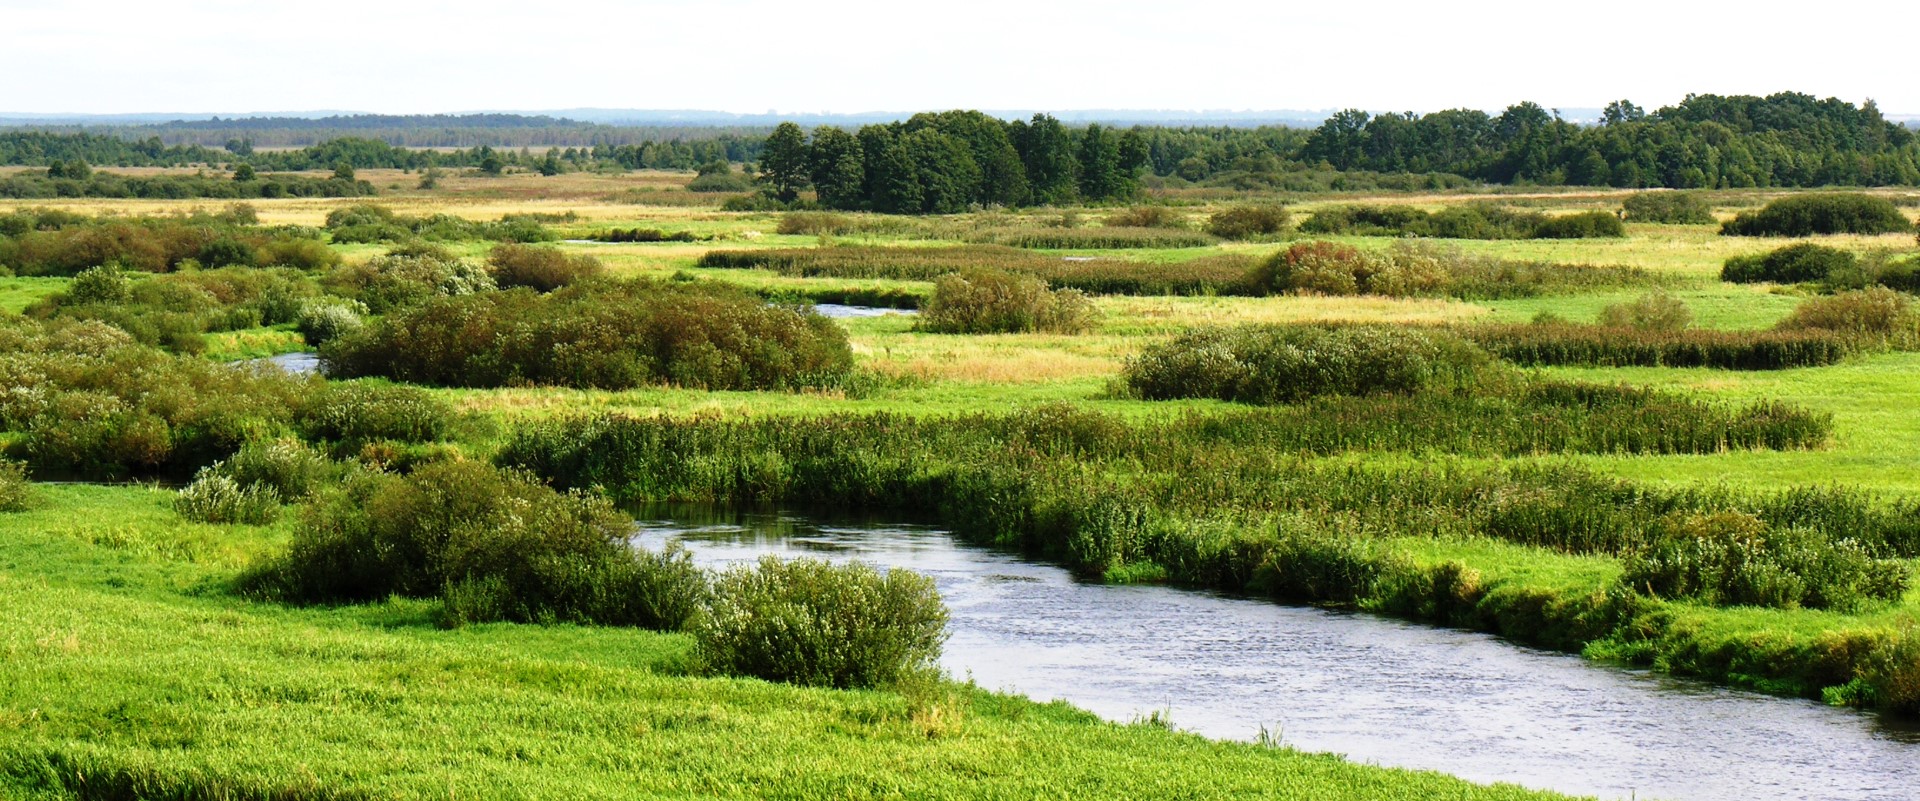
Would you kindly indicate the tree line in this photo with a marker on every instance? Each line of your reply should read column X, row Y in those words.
column 946, row 162
column 43, row 148
column 1706, row 141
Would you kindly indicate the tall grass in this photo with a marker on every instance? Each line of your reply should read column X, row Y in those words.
column 1207, row 276
column 1627, row 346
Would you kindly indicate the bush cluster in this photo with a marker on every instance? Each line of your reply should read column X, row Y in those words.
column 986, row 301
column 1288, row 363
column 1794, row 264
column 1820, row 213
column 1671, row 208
column 89, row 402
column 353, row 413
column 367, row 222
column 1736, row 559
column 1877, row 312
column 541, row 269
column 175, row 311
column 1472, row 221
column 809, row 622
column 1249, row 222
column 1165, row 217
column 39, row 243
column 492, row 545
column 408, row 276
column 599, row 334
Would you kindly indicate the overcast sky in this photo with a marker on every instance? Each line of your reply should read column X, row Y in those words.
column 397, row 56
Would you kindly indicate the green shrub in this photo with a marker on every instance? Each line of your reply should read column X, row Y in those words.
column 16, row 492
column 493, row 545
column 1671, row 208
column 1735, row 559
column 1472, row 221
column 1794, row 264
column 985, row 301
column 1874, row 312
column 287, row 466
column 1582, row 225
column 1820, row 213
column 609, row 335
column 1148, row 217
column 356, row 412
column 299, row 253
column 1266, row 364
column 320, row 321
column 1654, row 311
column 104, row 284
column 541, row 269
column 1249, row 222
column 403, row 279
column 1892, row 672
column 215, row 498
column 812, row 623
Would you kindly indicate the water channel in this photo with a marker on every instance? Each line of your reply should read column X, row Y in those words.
column 1377, row 690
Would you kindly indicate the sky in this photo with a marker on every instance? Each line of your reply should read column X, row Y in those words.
column 755, row 56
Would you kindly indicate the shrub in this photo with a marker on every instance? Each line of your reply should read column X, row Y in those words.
column 1654, row 311
column 16, row 492
column 1794, row 264
column 323, row 320
column 1820, row 213
column 355, row 412
column 985, row 301
column 287, row 466
column 541, row 269
column 812, row 623
column 1735, row 559
column 493, row 545
column 1266, row 364
column 728, row 181
column 298, row 253
column 1583, row 225
column 405, row 278
column 1672, row 208
column 1874, row 312
column 215, row 498
column 600, row 334
column 1248, row 222
column 104, row 284
column 1148, row 217
column 1473, row 221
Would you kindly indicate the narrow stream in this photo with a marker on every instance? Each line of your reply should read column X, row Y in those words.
column 1375, row 689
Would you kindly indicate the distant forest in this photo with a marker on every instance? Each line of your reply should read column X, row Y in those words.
column 950, row 160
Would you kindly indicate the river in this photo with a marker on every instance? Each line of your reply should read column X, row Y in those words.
column 1377, row 690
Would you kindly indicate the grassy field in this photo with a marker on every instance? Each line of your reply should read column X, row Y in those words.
column 133, row 672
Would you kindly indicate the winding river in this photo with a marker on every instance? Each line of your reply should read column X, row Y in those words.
column 1374, row 689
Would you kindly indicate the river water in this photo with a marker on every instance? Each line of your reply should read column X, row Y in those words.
column 1374, row 689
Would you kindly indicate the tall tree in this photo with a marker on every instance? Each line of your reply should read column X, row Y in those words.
column 836, row 166
column 1101, row 176
column 784, row 163
column 1046, row 150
